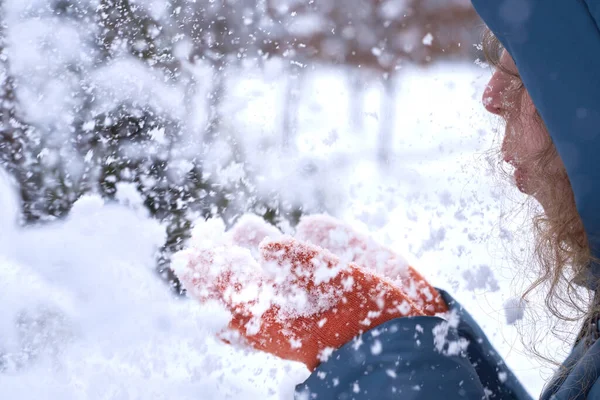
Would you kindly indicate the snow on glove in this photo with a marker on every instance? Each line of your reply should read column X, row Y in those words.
column 350, row 246
column 298, row 302
column 343, row 241
column 250, row 230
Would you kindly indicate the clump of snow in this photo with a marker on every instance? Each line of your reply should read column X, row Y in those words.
column 503, row 376
column 440, row 336
column 349, row 245
column 376, row 347
column 229, row 273
column 434, row 241
column 300, row 270
column 481, row 277
column 514, row 309
column 232, row 173
column 392, row 9
column 128, row 195
column 158, row 134
column 250, row 230
column 33, row 317
column 428, row 39
column 304, row 26
column 326, row 353
column 264, row 273
column 208, row 233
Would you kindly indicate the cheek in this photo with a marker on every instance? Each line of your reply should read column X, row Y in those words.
column 533, row 136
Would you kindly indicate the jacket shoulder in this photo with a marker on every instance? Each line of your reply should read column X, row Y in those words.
column 416, row 358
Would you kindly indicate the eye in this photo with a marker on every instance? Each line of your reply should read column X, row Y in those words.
column 516, row 83
column 520, row 85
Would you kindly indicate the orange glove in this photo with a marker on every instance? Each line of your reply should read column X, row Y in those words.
column 331, row 234
column 299, row 303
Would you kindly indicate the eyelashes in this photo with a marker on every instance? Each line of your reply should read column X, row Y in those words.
column 519, row 84
column 516, row 83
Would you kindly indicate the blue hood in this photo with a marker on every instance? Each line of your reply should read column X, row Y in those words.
column 556, row 46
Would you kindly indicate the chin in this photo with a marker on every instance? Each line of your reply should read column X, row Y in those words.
column 538, row 194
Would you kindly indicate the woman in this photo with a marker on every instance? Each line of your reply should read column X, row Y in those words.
column 547, row 89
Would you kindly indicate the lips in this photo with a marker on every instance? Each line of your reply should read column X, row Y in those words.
column 520, row 179
column 519, row 174
column 510, row 160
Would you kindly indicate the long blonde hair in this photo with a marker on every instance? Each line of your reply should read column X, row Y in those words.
column 561, row 254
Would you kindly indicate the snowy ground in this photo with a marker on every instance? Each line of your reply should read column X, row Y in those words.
column 93, row 322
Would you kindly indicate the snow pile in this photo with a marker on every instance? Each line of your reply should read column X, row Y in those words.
column 84, row 316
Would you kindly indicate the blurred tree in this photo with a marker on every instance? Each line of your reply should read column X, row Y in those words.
column 100, row 134
column 105, row 139
column 43, row 187
column 380, row 35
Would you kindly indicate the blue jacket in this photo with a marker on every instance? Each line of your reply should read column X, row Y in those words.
column 416, row 358
column 556, row 47
column 430, row 358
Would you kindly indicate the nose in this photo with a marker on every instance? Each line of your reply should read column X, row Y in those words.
column 492, row 95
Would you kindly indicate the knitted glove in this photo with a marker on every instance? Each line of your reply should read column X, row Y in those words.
column 298, row 303
column 350, row 246
column 292, row 299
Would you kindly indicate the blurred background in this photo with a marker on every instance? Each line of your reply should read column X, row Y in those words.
column 200, row 106
column 124, row 121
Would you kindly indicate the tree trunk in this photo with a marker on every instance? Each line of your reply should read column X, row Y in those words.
column 386, row 122
column 355, row 99
column 290, row 108
column 215, row 97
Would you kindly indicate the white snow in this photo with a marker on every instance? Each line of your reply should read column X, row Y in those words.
column 514, row 309
column 480, row 277
column 108, row 328
column 428, row 39
column 376, row 347
column 85, row 317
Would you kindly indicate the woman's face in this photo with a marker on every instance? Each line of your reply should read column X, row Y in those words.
column 525, row 137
